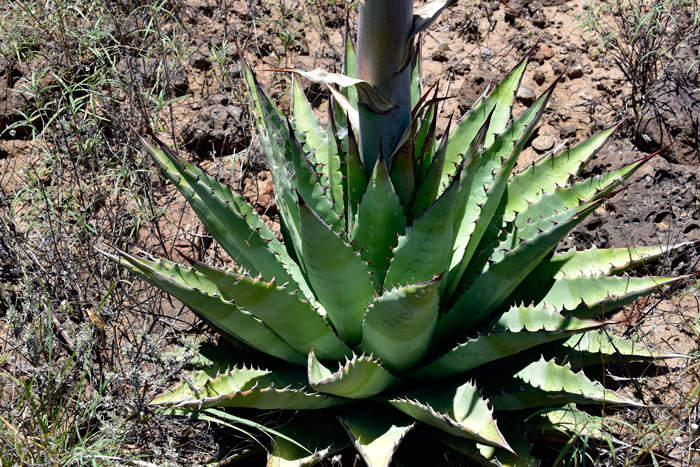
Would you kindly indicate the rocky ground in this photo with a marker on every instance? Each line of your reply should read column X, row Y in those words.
column 197, row 102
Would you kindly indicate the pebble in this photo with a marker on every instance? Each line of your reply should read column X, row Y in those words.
column 526, row 95
column 557, row 68
column 543, row 143
column 575, row 70
column 534, row 7
column 567, row 131
column 539, row 76
column 546, row 52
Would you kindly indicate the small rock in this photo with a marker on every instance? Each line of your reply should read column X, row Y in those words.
column 539, row 75
column 546, row 51
column 539, row 19
column 440, row 56
column 543, row 143
column 574, row 70
column 216, row 128
column 515, row 10
column 462, row 68
column 567, row 131
column 588, row 68
column 474, row 84
column 563, row 8
column 526, row 95
column 557, row 68
column 538, row 57
column 534, row 7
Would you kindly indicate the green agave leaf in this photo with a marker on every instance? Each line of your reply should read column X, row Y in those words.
column 315, row 437
column 465, row 137
column 352, row 115
column 461, row 230
column 424, row 251
column 341, row 126
column 314, row 139
column 376, row 432
column 416, row 75
column 545, row 383
column 233, row 222
column 338, row 276
column 430, row 184
column 491, row 248
column 308, row 183
column 493, row 173
column 567, row 421
column 503, row 274
column 272, row 127
column 590, row 296
column 360, row 378
column 595, row 262
column 399, row 324
column 423, row 132
column 548, row 173
column 459, row 411
column 349, row 67
column 293, row 319
column 265, row 114
column 598, row 346
column 574, row 194
column 197, row 292
column 493, row 456
column 504, row 96
column 518, row 329
column 247, row 387
column 337, row 181
column 378, row 223
column 214, row 358
column 425, row 142
column 357, row 180
column 402, row 172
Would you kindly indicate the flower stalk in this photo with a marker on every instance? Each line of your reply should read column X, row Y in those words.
column 384, row 28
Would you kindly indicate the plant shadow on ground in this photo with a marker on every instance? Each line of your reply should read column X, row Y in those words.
column 84, row 346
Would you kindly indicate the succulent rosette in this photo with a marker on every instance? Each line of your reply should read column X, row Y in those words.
column 416, row 289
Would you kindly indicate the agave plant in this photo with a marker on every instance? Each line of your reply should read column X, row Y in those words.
column 416, row 292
